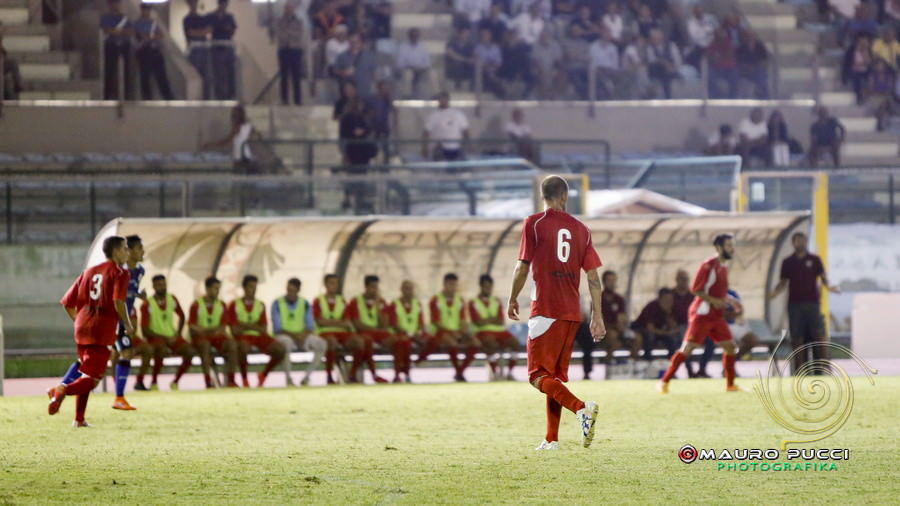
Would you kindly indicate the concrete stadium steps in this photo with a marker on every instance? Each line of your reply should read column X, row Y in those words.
column 45, row 71
column 831, row 98
column 13, row 15
column 26, row 43
column 93, row 87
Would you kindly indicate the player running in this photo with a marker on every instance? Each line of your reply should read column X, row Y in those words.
column 368, row 312
column 294, row 327
column 206, row 323
column 489, row 325
column 706, row 316
column 164, row 335
column 329, row 310
column 556, row 246
column 407, row 319
column 249, row 326
column 96, row 303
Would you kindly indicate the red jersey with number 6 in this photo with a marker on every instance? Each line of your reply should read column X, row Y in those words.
column 93, row 296
column 557, row 247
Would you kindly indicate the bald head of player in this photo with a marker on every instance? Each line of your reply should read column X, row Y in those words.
column 555, row 192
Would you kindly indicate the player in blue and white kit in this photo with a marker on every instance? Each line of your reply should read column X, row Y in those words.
column 126, row 346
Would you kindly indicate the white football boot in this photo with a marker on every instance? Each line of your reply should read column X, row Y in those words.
column 587, row 417
column 548, row 445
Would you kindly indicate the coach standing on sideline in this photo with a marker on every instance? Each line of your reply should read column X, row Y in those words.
column 800, row 273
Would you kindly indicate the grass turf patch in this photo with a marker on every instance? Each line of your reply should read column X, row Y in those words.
column 413, row 444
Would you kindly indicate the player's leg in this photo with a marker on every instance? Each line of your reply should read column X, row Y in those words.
column 122, row 355
column 228, row 348
column 403, row 352
column 709, row 348
column 355, row 345
column 145, row 351
column 371, row 339
column 513, row 347
column 491, row 349
column 317, row 346
column 243, row 347
column 204, row 349
column 276, row 352
column 451, row 341
column 330, row 356
column 93, row 364
column 637, row 342
column 187, row 353
column 289, row 346
column 696, row 327
column 611, row 343
column 430, row 344
column 391, row 344
column 72, row 373
column 160, row 350
column 471, row 346
column 721, row 334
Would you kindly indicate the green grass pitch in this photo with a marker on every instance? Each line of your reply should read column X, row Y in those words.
column 414, row 444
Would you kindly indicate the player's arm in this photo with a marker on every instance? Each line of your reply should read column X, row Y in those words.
column 70, row 299
column 122, row 311
column 520, row 276
column 824, row 278
column 595, row 286
column 499, row 319
column 699, row 290
column 181, row 320
column 712, row 301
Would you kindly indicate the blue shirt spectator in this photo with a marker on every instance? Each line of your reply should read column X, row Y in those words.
column 115, row 21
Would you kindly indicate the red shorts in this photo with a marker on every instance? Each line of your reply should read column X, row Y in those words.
column 378, row 336
column 501, row 337
column 549, row 353
column 217, row 342
column 699, row 328
column 93, row 358
column 341, row 337
column 173, row 344
column 261, row 343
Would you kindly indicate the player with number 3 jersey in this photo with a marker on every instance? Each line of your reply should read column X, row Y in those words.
column 556, row 247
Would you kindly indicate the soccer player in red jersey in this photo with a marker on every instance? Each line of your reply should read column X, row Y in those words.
column 158, row 316
column 206, row 322
column 489, row 325
column 706, row 316
column 408, row 321
column 329, row 311
column 556, row 247
column 96, row 303
column 249, row 326
column 368, row 312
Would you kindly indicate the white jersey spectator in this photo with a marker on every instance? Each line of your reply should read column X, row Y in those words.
column 473, row 10
column 449, row 127
column 605, row 54
column 412, row 56
column 336, row 45
column 528, row 25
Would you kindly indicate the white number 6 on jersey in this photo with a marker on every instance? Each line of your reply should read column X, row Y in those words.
column 563, row 247
column 97, row 279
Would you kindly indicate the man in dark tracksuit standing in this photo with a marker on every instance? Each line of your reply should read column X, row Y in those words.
column 224, row 64
column 800, row 274
column 151, row 63
column 117, row 30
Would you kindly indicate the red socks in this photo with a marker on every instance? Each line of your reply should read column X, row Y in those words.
column 242, row 365
column 81, row 406
column 157, row 366
column 81, row 386
column 558, row 392
column 431, row 345
column 728, row 364
column 554, row 412
column 330, row 357
column 273, row 361
column 677, row 359
column 185, row 364
column 453, row 351
column 470, row 356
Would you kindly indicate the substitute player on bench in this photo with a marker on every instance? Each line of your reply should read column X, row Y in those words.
column 293, row 326
column 329, row 311
column 489, row 326
column 206, row 323
column 164, row 335
column 249, row 326
column 368, row 312
column 448, row 316
column 408, row 321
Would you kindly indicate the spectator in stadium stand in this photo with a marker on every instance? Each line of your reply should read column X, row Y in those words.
column 12, row 80
column 753, row 136
column 700, row 27
column 664, row 61
column 583, row 26
column 356, row 19
column 238, row 136
column 382, row 116
column 197, row 31
column 528, row 25
column 857, row 67
column 605, row 60
column 150, row 59
column 547, row 58
column 459, row 65
column 488, row 56
column 348, row 92
column 615, row 316
column 413, row 57
column 354, row 127
column 779, row 140
column 497, row 22
column 576, row 52
column 634, row 69
column 289, row 36
column 543, row 8
column 519, row 133
column 614, row 22
column 862, row 23
column 469, row 13
column 447, row 126
column 357, row 64
column 645, row 22
column 722, row 65
column 733, row 26
column 800, row 275
column 334, row 47
column 656, row 325
column 887, row 48
column 117, row 30
column 327, row 20
column 722, row 142
column 224, row 60
column 379, row 13
column 882, row 89
column 826, row 136
column 753, row 64
column 565, row 10
column 516, row 67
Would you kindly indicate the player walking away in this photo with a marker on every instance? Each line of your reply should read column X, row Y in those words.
column 408, row 321
column 706, row 314
column 556, row 246
column 293, row 326
column 368, row 312
column 448, row 316
column 249, row 326
column 800, row 274
column 489, row 325
column 329, row 310
column 206, row 323
column 96, row 303
column 615, row 318
column 164, row 335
